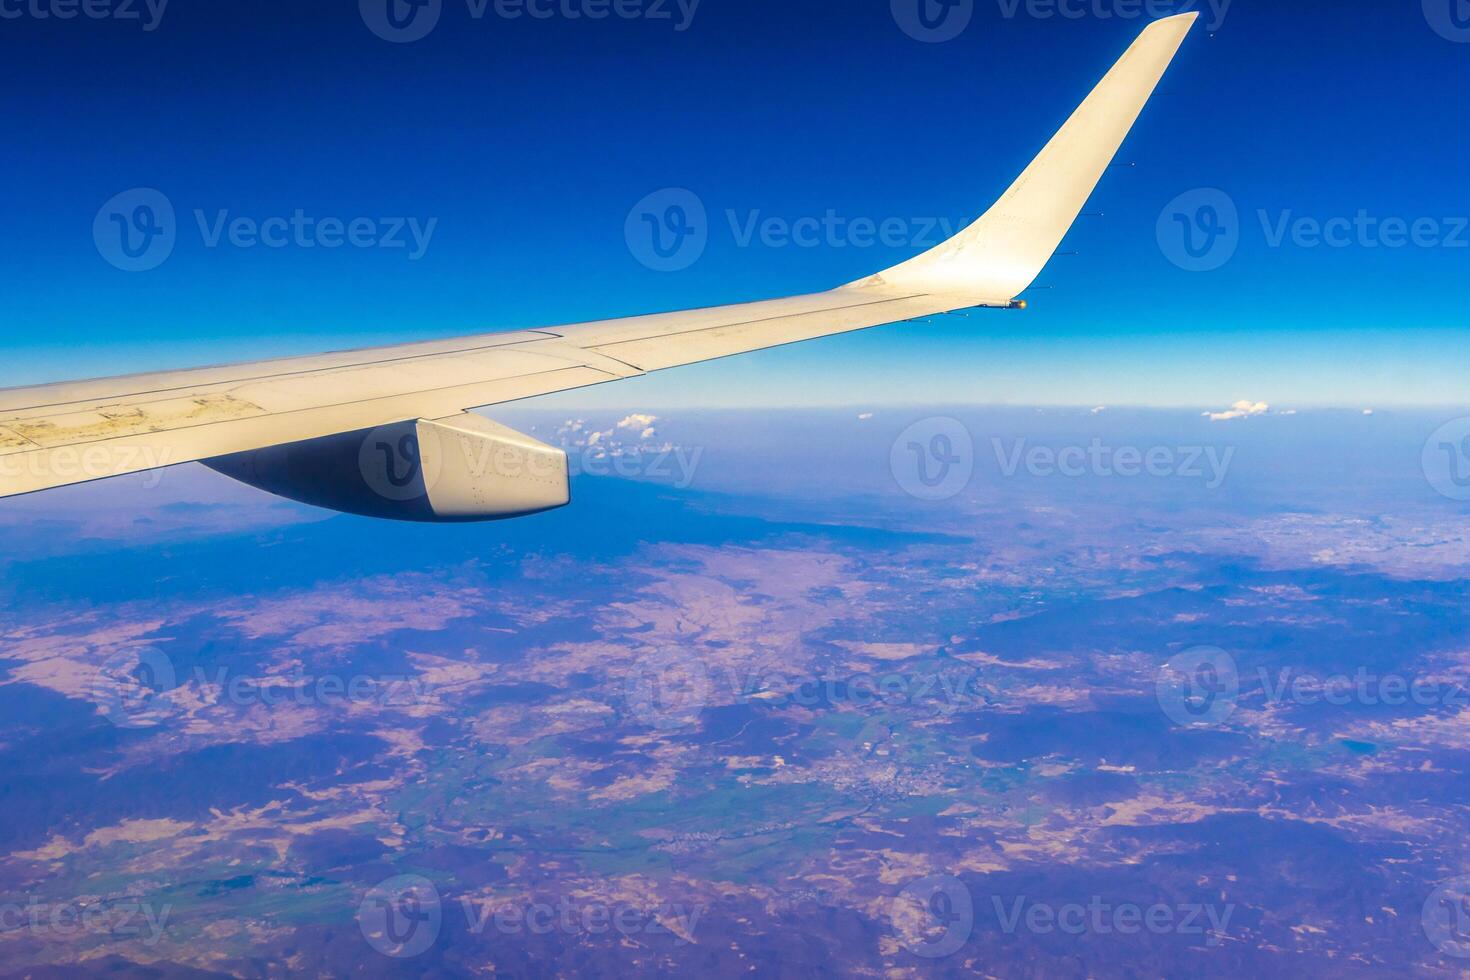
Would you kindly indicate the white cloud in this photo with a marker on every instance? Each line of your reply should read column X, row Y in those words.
column 633, row 436
column 1240, row 410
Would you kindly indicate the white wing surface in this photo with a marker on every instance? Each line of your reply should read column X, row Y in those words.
column 59, row 434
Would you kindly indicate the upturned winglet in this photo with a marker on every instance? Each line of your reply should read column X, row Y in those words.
column 997, row 257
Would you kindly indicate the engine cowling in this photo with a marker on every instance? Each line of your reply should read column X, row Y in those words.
column 457, row 469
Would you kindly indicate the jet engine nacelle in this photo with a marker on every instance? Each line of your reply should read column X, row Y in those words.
column 462, row 468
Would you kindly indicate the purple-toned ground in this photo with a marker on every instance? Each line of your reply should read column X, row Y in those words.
column 750, row 707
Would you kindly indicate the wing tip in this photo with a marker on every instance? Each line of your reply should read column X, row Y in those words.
column 1004, row 251
column 1177, row 24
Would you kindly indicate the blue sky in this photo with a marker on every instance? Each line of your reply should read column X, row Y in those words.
column 518, row 146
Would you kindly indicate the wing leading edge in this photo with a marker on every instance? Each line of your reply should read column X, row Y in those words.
column 74, row 432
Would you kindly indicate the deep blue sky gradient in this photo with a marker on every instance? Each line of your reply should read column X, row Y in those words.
column 530, row 140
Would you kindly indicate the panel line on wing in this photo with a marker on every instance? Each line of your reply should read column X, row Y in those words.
column 508, row 339
column 758, row 321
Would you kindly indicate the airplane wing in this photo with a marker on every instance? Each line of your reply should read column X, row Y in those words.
column 244, row 419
